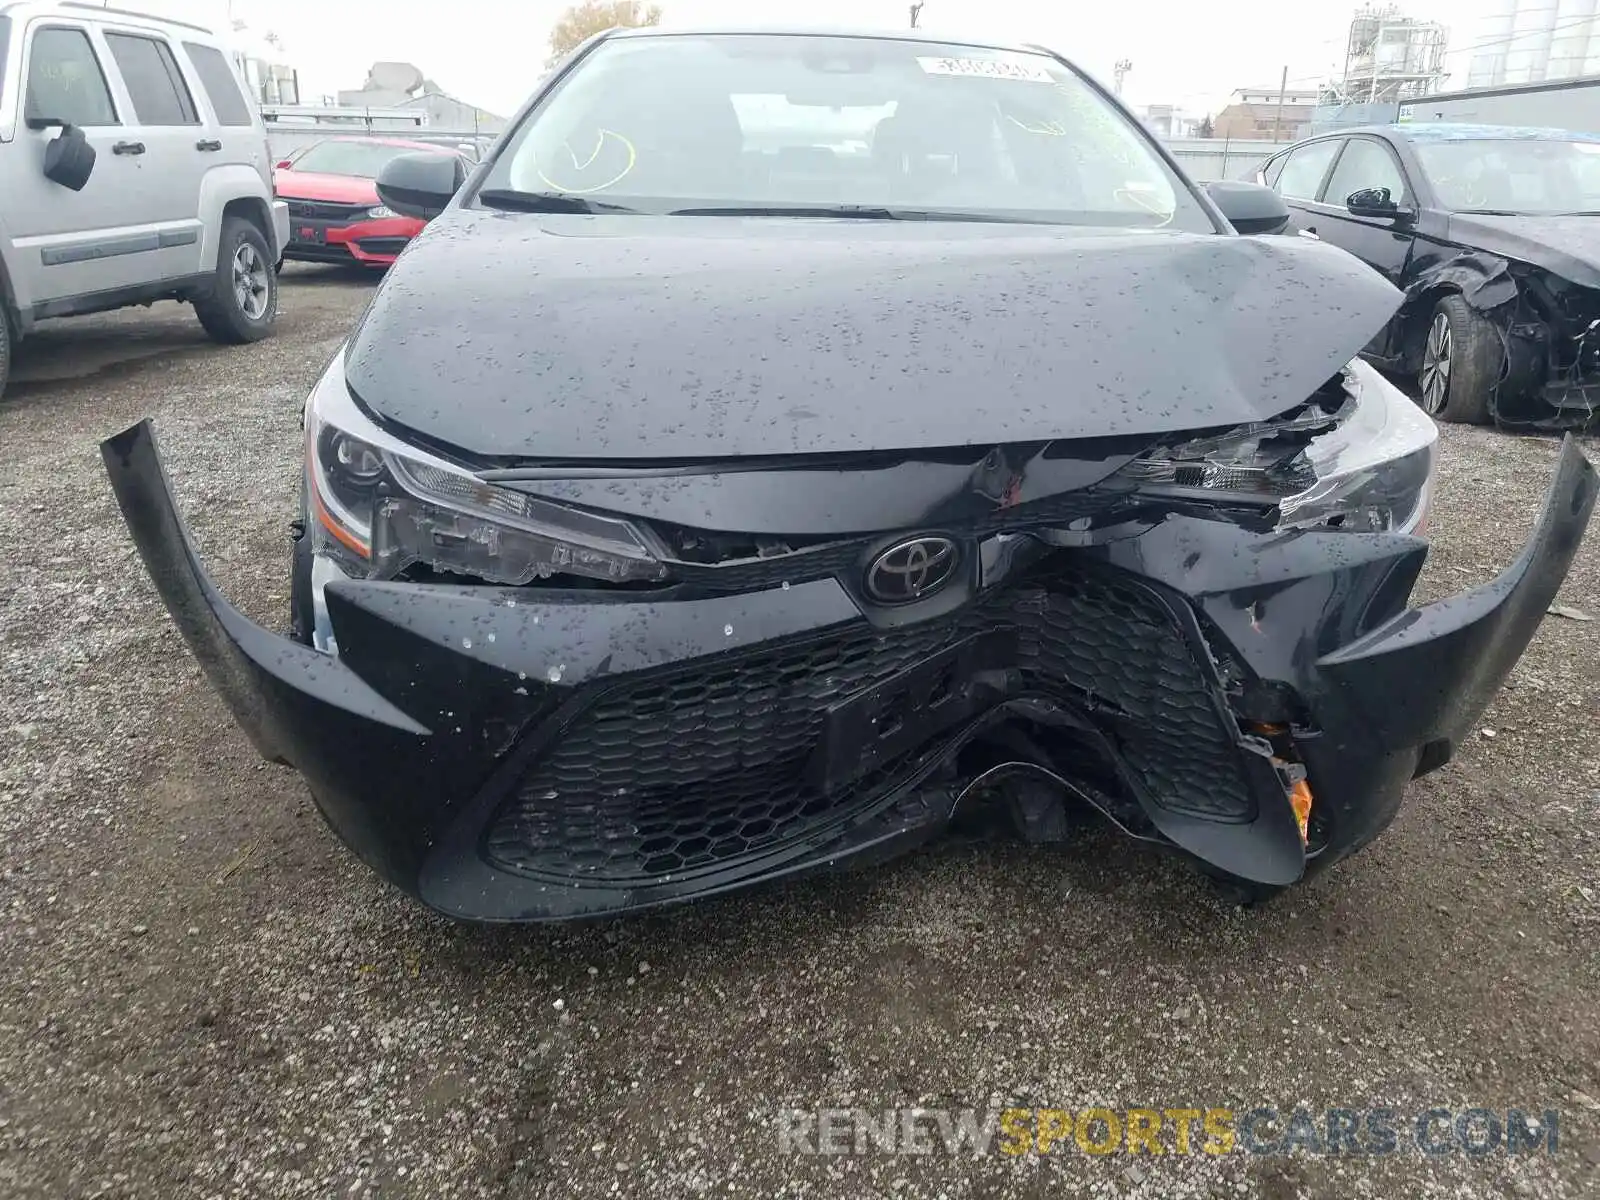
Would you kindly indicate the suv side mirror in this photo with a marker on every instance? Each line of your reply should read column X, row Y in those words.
column 420, row 185
column 283, row 164
column 1249, row 207
column 69, row 158
column 1372, row 202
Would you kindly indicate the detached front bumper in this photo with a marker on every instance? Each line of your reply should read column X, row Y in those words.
column 527, row 754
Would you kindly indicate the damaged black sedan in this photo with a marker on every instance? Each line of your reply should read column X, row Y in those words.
column 785, row 442
column 1493, row 234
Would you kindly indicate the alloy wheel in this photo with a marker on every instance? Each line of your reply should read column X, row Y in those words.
column 251, row 287
column 1435, row 378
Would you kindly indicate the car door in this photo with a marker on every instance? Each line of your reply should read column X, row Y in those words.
column 165, row 125
column 71, row 244
column 235, row 139
column 1382, row 242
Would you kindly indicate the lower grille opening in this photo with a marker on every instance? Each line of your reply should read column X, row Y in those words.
column 382, row 245
column 700, row 766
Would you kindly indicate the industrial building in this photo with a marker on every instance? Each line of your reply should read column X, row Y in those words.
column 1265, row 113
column 1531, row 41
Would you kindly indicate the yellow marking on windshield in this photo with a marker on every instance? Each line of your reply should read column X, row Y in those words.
column 1047, row 128
column 633, row 157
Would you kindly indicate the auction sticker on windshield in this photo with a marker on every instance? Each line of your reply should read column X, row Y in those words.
column 987, row 68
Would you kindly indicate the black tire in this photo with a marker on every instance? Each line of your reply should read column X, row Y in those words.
column 1463, row 359
column 244, row 301
column 6, row 341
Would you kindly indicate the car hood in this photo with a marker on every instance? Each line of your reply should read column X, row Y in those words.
column 1566, row 246
column 511, row 336
column 339, row 189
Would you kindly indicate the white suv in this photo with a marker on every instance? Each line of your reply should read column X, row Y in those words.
column 132, row 168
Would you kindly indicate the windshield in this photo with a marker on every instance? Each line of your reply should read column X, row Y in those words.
column 669, row 123
column 1523, row 175
column 361, row 160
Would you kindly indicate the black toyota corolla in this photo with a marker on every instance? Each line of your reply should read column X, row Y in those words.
column 783, row 442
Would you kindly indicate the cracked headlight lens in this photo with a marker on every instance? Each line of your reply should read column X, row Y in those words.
column 1366, row 465
column 380, row 505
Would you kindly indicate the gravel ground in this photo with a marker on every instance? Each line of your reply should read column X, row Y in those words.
column 206, row 995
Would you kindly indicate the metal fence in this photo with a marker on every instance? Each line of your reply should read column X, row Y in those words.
column 1206, row 159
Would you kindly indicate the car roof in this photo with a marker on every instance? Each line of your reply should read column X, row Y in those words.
column 1460, row 131
column 81, row 9
column 872, row 33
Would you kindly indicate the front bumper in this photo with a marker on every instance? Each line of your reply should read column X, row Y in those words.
column 527, row 754
column 373, row 243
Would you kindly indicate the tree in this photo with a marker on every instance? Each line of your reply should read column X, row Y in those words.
column 589, row 17
column 1205, row 128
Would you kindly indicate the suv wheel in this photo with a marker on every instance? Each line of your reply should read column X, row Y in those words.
column 244, row 301
column 1461, row 364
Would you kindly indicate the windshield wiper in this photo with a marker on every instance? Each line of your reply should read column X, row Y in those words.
column 551, row 202
column 859, row 212
column 1488, row 212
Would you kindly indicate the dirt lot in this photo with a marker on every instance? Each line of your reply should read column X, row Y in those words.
column 204, row 995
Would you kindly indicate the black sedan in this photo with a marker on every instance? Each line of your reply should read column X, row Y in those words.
column 1493, row 234
column 854, row 430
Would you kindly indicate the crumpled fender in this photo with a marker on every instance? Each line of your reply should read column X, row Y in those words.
column 1483, row 280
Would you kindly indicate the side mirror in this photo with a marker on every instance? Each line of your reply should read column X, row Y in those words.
column 1249, row 207
column 420, row 185
column 283, row 164
column 69, row 158
column 1373, row 202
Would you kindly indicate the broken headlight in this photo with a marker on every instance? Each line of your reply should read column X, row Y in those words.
column 380, row 505
column 1360, row 457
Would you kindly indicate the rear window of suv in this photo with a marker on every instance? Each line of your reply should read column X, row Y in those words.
column 217, row 77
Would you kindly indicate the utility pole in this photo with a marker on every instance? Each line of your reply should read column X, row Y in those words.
column 916, row 11
column 1120, row 71
column 1277, row 119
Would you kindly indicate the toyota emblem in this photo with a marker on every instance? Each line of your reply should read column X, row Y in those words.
column 912, row 570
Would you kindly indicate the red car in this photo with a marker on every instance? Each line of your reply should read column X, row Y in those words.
column 334, row 213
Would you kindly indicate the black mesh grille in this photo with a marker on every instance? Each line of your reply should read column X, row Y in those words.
column 796, row 567
column 323, row 210
column 700, row 765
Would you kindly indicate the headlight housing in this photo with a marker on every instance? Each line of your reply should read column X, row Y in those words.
column 1364, row 463
column 380, row 505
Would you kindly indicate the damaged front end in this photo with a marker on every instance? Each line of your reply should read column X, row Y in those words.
column 1204, row 637
column 1548, row 327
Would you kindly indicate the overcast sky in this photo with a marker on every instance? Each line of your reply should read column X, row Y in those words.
column 489, row 52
